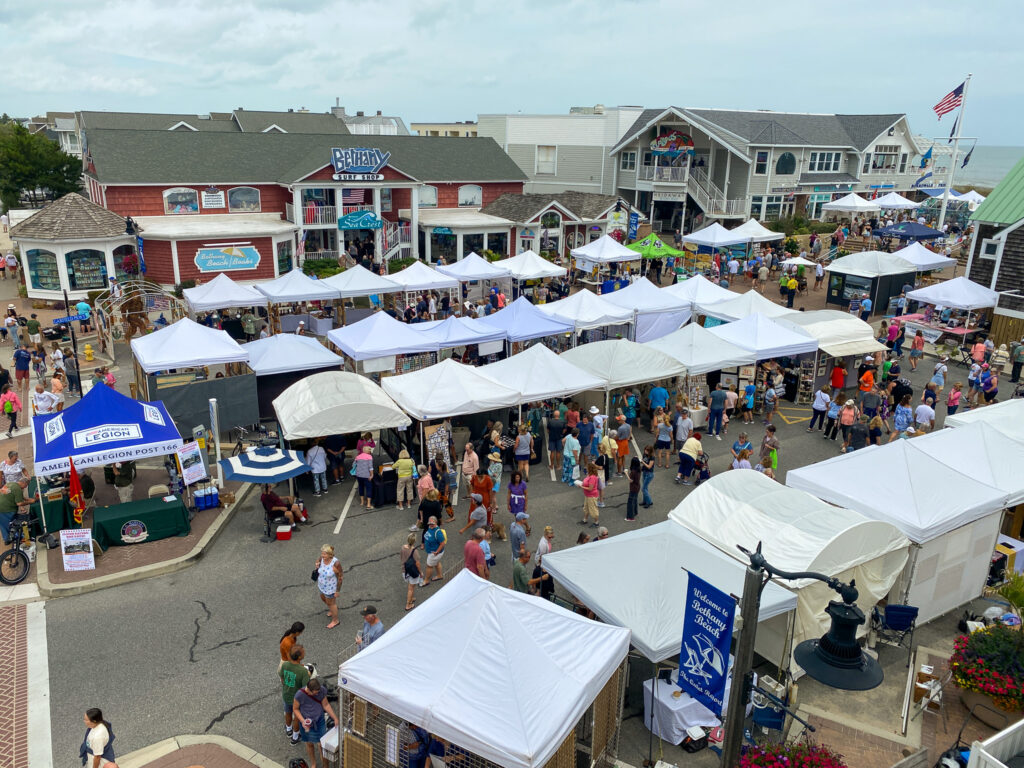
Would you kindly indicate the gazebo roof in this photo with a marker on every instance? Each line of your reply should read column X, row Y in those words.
column 72, row 217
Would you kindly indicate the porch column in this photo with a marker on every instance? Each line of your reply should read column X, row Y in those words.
column 378, row 234
column 174, row 261
column 426, row 242
column 485, row 241
column 728, row 171
column 414, row 221
column 458, row 246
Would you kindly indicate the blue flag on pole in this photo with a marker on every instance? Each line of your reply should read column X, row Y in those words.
column 967, row 158
column 707, row 635
column 142, row 259
column 926, row 157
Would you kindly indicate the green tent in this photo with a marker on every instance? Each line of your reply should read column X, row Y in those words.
column 651, row 247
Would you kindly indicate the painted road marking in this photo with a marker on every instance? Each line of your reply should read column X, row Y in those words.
column 344, row 512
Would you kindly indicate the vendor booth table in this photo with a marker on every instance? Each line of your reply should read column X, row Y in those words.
column 145, row 520
column 55, row 514
column 674, row 714
column 318, row 326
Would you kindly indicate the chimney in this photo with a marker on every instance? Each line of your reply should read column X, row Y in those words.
column 338, row 111
column 337, row 101
column 360, row 114
column 290, row 109
column 378, row 113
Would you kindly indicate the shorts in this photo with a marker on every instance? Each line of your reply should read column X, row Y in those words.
column 990, row 396
column 662, row 445
column 433, row 558
column 917, row 353
column 522, row 457
column 287, row 705
column 554, row 446
column 975, row 385
column 35, row 338
column 623, row 447
column 316, row 731
column 20, row 375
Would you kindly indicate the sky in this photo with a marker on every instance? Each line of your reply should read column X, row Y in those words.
column 446, row 60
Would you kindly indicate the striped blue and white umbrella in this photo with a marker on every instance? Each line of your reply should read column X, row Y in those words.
column 264, row 465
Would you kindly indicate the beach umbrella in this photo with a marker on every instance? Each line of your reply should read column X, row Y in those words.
column 264, row 464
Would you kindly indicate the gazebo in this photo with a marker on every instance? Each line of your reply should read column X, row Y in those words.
column 76, row 246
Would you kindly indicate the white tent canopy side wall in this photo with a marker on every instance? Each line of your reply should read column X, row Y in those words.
column 798, row 533
column 335, row 403
column 660, row 557
column 1007, row 417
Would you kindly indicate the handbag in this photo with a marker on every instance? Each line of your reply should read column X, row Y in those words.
column 315, row 574
column 576, row 472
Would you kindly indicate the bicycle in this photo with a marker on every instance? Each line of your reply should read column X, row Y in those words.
column 14, row 563
column 243, row 439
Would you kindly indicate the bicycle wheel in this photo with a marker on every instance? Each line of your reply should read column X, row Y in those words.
column 13, row 566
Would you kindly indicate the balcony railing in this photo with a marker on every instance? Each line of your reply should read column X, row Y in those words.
column 665, row 173
column 321, row 215
column 320, row 255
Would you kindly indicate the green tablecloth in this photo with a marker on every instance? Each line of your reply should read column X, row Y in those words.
column 58, row 514
column 138, row 521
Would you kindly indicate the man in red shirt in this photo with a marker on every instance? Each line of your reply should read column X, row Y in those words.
column 474, row 555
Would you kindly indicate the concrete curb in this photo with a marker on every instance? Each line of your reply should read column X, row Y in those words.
column 48, row 589
column 142, row 757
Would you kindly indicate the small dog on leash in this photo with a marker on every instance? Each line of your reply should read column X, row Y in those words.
column 498, row 531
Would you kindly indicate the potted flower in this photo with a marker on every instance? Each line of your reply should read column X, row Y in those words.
column 988, row 667
column 794, row 755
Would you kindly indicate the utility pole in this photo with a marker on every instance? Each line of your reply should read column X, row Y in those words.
column 742, row 668
column 956, row 152
column 74, row 341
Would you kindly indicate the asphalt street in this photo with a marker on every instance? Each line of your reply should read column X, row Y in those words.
column 196, row 651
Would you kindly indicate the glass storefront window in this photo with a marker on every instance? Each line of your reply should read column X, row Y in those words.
column 42, row 270
column 498, row 242
column 126, row 263
column 442, row 247
column 472, row 244
column 87, row 269
column 284, row 257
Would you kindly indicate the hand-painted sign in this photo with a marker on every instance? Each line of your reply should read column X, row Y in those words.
column 227, row 259
column 707, row 634
column 213, row 198
column 671, row 144
column 360, row 220
column 358, row 163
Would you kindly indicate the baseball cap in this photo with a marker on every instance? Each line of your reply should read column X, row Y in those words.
column 522, row 516
column 478, row 498
column 869, row 359
column 620, row 417
column 370, row 610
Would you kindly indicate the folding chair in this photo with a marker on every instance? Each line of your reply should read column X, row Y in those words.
column 962, row 356
column 895, row 623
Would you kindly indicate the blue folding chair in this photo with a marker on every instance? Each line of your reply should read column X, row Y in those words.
column 894, row 624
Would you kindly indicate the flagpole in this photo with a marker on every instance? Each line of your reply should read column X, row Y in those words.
column 956, row 152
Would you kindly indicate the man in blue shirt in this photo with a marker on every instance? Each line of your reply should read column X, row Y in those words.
column 658, row 399
column 716, row 408
column 22, row 361
column 865, row 308
column 85, row 310
column 373, row 627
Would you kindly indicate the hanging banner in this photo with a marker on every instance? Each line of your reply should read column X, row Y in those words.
column 76, row 549
column 707, row 635
column 671, row 144
column 634, row 224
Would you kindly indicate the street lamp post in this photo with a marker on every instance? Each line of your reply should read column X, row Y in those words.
column 836, row 659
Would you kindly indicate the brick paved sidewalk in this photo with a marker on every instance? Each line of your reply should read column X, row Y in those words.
column 13, row 686
column 199, row 756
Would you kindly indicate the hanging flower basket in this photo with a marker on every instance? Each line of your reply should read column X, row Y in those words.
column 791, row 756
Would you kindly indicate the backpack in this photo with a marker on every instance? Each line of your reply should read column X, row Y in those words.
column 833, row 410
column 410, row 567
column 8, row 406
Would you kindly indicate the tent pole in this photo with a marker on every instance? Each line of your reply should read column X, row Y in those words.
column 607, row 405
column 650, row 729
column 423, row 448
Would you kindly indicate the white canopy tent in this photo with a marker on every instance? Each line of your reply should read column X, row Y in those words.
column 924, row 259
column 186, row 344
column 335, row 403
column 972, row 196
column 798, row 533
column 700, row 351
column 537, row 373
column 871, row 264
column 838, row 333
column 716, row 236
column 894, row 201
column 457, row 332
column 359, row 281
column 657, row 312
column 522, row 321
column 529, row 266
column 587, row 310
column 699, row 290
column 1007, row 417
column 982, row 452
column 222, row 292
column 951, row 517
column 851, row 203
column 958, row 293
column 474, row 267
column 756, row 232
column 660, row 559
column 623, row 363
column 419, row 277
column 287, row 352
column 544, row 668
column 744, row 305
column 605, row 250
column 380, row 335
column 798, row 261
column 448, row 389
column 296, row 286
column 765, row 337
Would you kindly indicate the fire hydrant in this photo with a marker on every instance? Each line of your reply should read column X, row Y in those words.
column 88, row 353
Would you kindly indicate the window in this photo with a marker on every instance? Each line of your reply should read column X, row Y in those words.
column 181, row 200
column 989, row 249
column 546, row 160
column 627, row 161
column 761, row 163
column 648, row 158
column 126, row 263
column 244, row 200
column 550, row 220
column 786, row 165
column 824, row 162
column 42, row 270
column 428, row 197
column 770, row 207
column 87, row 269
column 885, row 159
column 385, row 199
column 284, row 257
column 866, row 166
column 903, row 162
column 470, row 196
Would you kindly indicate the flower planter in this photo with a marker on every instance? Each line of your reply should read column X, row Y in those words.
column 985, row 713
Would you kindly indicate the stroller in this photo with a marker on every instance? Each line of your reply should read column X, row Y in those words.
column 702, row 467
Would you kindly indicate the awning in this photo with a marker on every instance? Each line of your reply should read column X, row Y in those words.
column 457, row 218
column 177, row 227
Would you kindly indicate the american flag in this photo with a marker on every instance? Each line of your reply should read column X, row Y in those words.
column 353, row 196
column 950, row 101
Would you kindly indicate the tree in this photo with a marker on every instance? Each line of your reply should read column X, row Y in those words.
column 32, row 166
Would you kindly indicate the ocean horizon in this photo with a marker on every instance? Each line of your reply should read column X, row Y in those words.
column 988, row 165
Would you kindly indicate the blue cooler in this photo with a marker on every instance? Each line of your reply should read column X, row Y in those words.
column 208, row 498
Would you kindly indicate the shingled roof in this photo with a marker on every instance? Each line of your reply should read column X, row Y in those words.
column 72, row 217
column 586, row 206
column 187, row 157
column 154, row 121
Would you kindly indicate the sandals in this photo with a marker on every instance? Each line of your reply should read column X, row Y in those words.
column 410, row 606
column 333, row 624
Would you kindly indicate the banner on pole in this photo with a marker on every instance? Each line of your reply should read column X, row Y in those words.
column 707, row 634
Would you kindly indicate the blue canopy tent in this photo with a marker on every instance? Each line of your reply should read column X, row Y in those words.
column 103, row 427
column 908, row 230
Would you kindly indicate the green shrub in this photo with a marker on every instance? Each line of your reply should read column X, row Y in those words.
column 791, row 246
column 397, row 265
column 321, row 268
column 182, row 286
